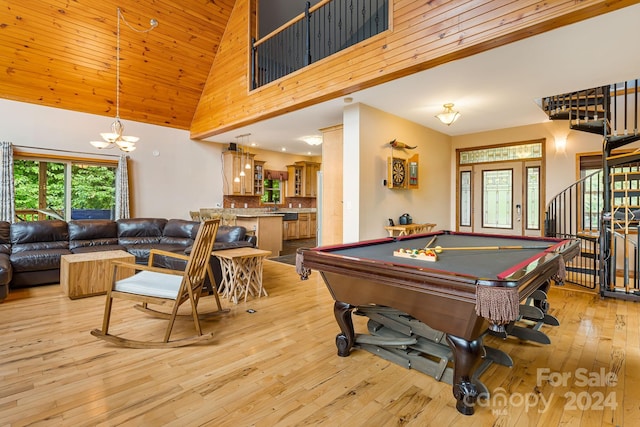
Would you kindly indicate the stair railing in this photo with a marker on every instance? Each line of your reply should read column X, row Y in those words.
column 322, row 30
column 575, row 213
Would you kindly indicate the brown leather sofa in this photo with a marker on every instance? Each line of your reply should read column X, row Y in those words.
column 30, row 251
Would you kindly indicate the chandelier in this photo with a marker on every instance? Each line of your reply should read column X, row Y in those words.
column 116, row 137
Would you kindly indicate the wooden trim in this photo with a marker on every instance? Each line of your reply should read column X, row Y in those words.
column 471, row 167
column 76, row 159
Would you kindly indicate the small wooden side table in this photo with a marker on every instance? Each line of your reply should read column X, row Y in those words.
column 241, row 272
column 87, row 274
column 404, row 230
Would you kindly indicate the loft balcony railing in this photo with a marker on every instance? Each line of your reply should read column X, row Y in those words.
column 322, row 30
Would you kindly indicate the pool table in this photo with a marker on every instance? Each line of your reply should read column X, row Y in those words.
column 443, row 294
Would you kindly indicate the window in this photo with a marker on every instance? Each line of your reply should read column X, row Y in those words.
column 57, row 188
column 272, row 189
column 591, row 191
column 533, row 198
column 502, row 153
column 497, row 198
column 465, row 199
column 592, row 198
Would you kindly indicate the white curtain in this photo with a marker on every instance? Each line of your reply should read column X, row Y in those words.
column 7, row 189
column 122, row 189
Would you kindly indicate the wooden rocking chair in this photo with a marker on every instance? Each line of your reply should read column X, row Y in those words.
column 155, row 285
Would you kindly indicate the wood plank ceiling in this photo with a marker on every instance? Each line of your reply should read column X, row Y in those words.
column 61, row 53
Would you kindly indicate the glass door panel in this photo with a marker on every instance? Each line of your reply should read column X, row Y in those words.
column 497, row 198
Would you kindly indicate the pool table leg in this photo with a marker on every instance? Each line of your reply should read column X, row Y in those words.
column 345, row 339
column 467, row 356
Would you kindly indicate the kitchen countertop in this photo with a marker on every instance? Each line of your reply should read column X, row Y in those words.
column 255, row 212
column 248, row 215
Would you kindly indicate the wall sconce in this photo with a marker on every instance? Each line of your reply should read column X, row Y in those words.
column 448, row 116
column 561, row 144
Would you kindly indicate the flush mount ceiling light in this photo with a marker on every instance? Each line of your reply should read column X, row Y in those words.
column 448, row 116
column 115, row 138
column 312, row 139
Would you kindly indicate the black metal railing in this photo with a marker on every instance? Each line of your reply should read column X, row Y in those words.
column 322, row 30
column 604, row 110
column 575, row 213
column 584, row 210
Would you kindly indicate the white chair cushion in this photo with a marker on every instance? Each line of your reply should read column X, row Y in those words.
column 151, row 284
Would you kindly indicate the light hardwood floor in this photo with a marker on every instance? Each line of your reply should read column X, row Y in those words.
column 278, row 366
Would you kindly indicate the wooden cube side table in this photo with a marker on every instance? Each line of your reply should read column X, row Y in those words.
column 88, row 274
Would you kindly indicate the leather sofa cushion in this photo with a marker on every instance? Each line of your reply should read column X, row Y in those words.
column 97, row 248
column 179, row 232
column 218, row 246
column 35, row 234
column 37, row 259
column 140, row 231
column 92, row 232
column 5, row 238
column 230, row 233
column 141, row 251
column 181, row 228
column 141, row 227
column 39, row 246
column 88, row 229
column 5, row 271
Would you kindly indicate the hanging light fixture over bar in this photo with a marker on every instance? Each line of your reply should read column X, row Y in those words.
column 115, row 138
column 243, row 156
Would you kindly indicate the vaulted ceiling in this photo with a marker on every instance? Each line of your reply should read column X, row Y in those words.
column 62, row 53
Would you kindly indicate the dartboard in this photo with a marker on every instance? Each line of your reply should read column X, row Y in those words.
column 398, row 172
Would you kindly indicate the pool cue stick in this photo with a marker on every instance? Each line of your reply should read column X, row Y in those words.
column 431, row 242
column 489, row 248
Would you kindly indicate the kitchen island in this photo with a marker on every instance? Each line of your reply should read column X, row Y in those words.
column 266, row 223
column 267, row 227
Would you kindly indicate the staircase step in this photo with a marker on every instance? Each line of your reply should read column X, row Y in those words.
column 622, row 159
column 593, row 126
column 624, row 139
column 576, row 105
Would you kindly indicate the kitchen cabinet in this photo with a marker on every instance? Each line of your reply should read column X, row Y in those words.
column 313, row 224
column 238, row 179
column 310, row 179
column 294, row 183
column 289, row 230
column 303, row 228
column 258, row 177
column 303, row 179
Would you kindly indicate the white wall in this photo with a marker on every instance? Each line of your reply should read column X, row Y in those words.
column 351, row 174
column 368, row 203
column 184, row 176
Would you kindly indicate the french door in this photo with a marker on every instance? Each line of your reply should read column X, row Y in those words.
column 501, row 198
